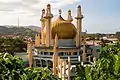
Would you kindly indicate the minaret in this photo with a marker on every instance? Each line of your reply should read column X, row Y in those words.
column 79, row 26
column 48, row 25
column 42, row 26
column 69, row 18
column 37, row 39
column 55, row 58
column 29, row 51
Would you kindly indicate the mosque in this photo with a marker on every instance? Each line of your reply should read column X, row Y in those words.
column 60, row 45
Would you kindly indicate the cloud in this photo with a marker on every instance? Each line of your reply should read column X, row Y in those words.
column 96, row 12
column 9, row 1
column 29, row 11
column 34, row 6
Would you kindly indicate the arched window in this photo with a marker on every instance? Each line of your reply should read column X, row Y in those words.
column 44, row 64
column 38, row 64
column 50, row 64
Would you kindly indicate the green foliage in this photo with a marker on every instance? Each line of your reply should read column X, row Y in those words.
column 18, row 31
column 107, row 67
column 38, row 74
column 80, row 74
column 11, row 68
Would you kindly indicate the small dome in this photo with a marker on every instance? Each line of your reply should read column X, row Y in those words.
column 63, row 29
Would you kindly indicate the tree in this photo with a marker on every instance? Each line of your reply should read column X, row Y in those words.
column 14, row 45
column 107, row 67
column 11, row 68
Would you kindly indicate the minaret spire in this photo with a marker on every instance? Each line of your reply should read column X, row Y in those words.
column 42, row 26
column 48, row 25
column 69, row 19
column 43, row 13
column 79, row 11
column 79, row 26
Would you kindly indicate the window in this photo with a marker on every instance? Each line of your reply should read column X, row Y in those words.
column 98, row 50
column 75, row 53
column 45, row 53
column 38, row 64
column 51, row 53
column 61, row 54
column 44, row 64
column 50, row 64
column 39, row 52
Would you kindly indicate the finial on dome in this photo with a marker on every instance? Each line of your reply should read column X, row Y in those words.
column 60, row 11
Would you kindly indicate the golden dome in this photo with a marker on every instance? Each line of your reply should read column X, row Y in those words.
column 63, row 29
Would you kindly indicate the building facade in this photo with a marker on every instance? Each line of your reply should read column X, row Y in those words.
column 60, row 44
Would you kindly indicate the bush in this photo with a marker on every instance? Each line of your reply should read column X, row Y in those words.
column 107, row 67
column 12, row 68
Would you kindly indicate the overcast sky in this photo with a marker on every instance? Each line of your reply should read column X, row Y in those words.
column 99, row 15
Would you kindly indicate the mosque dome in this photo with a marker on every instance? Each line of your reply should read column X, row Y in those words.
column 63, row 29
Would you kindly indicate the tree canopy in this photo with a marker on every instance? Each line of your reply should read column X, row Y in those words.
column 107, row 67
column 12, row 45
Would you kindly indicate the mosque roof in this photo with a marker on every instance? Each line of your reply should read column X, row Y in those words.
column 63, row 29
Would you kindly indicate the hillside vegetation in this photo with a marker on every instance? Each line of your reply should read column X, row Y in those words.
column 21, row 31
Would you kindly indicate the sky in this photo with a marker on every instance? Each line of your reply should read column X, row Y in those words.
column 100, row 16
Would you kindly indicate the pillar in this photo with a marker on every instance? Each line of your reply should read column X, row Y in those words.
column 94, row 51
column 42, row 26
column 37, row 39
column 84, row 48
column 69, row 66
column 29, row 50
column 48, row 26
column 58, row 66
column 64, row 70
column 61, row 68
column 55, row 58
column 79, row 26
